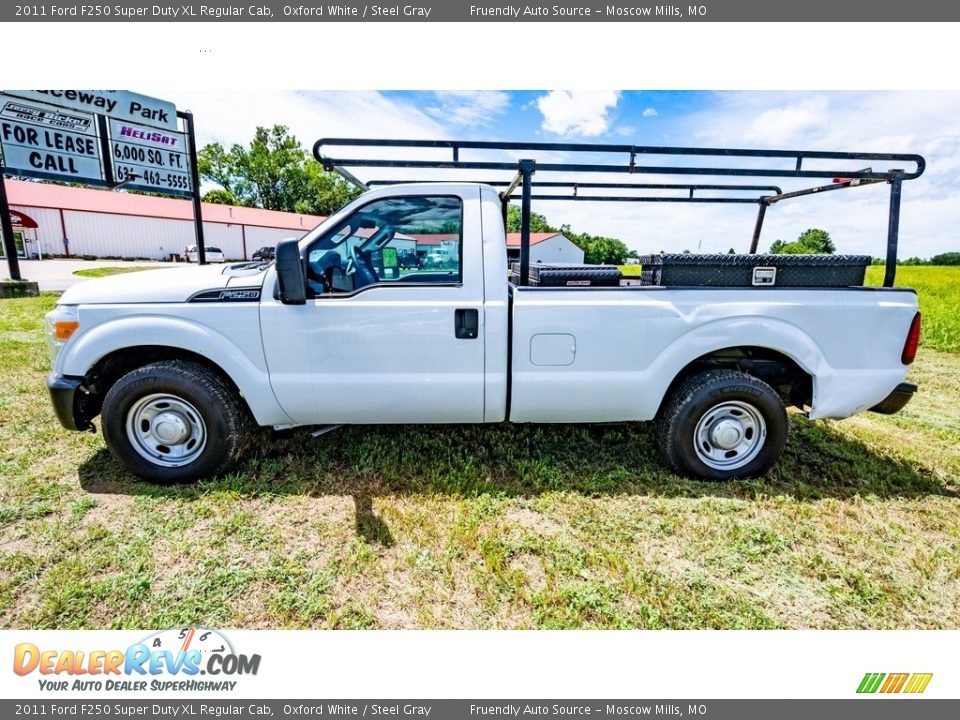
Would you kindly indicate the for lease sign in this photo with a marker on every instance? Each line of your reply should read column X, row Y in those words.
column 46, row 142
column 119, row 104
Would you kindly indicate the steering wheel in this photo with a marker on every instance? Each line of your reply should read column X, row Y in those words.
column 351, row 262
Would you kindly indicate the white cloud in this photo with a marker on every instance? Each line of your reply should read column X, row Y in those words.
column 232, row 117
column 783, row 125
column 927, row 123
column 576, row 112
column 650, row 112
column 468, row 107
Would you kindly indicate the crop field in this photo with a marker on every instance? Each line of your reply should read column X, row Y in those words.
column 525, row 526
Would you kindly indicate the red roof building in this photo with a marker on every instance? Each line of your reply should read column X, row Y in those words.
column 85, row 222
column 82, row 222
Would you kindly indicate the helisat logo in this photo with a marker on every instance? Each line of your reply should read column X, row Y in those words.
column 148, row 135
column 173, row 659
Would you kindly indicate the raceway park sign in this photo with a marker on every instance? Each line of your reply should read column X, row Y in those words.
column 118, row 104
column 69, row 143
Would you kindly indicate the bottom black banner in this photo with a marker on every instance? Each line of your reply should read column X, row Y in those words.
column 872, row 708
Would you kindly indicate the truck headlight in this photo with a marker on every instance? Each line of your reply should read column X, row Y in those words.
column 61, row 323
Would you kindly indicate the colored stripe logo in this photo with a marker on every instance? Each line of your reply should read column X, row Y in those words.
column 913, row 683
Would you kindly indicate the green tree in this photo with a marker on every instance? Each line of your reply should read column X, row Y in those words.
column 813, row 241
column 274, row 172
column 219, row 196
column 538, row 223
column 604, row 251
column 818, row 241
column 947, row 258
column 326, row 192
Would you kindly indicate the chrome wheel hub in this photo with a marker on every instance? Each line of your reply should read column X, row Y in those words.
column 727, row 434
column 730, row 435
column 166, row 430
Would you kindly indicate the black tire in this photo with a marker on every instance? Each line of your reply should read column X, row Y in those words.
column 712, row 391
column 225, row 419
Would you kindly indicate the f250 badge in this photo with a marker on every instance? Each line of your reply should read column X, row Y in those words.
column 240, row 295
column 234, row 295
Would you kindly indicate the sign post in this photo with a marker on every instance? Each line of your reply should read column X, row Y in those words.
column 195, row 178
column 9, row 246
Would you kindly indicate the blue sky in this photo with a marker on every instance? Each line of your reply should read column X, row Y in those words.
column 636, row 117
column 925, row 123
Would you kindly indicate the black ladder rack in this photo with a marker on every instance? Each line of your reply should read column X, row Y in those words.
column 632, row 165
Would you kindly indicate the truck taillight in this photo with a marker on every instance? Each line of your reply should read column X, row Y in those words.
column 913, row 340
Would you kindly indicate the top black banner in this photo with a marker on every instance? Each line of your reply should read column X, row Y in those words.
column 463, row 11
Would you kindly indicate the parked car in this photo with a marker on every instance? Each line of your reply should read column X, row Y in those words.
column 212, row 254
column 180, row 363
column 411, row 259
column 267, row 252
column 436, row 258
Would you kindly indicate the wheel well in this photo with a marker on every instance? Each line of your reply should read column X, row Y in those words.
column 110, row 368
column 792, row 383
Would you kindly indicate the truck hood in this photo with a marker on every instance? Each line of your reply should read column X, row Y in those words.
column 165, row 285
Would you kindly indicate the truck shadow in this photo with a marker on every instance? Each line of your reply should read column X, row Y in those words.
column 524, row 461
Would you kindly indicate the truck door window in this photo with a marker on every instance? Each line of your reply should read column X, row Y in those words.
column 408, row 240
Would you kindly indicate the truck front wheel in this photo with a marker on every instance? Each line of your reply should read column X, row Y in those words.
column 723, row 424
column 173, row 421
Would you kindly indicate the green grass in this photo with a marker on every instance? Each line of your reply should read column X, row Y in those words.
column 938, row 289
column 113, row 270
column 481, row 527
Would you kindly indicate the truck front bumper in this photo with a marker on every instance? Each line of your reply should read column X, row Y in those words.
column 895, row 401
column 63, row 393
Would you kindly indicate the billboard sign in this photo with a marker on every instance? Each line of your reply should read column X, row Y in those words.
column 145, row 158
column 45, row 142
column 119, row 104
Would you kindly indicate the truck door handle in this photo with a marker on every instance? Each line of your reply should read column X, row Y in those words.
column 466, row 323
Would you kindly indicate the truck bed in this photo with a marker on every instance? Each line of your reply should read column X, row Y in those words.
column 602, row 354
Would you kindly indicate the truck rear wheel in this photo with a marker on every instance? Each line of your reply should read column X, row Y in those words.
column 721, row 425
column 174, row 421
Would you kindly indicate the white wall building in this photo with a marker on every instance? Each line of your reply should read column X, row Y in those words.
column 550, row 247
column 546, row 248
column 81, row 222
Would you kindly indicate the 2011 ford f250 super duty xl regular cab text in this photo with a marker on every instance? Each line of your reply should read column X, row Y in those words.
column 179, row 362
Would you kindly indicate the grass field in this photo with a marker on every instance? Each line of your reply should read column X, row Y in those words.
column 112, row 270
column 938, row 289
column 488, row 527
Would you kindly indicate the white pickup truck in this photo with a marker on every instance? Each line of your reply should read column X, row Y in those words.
column 179, row 362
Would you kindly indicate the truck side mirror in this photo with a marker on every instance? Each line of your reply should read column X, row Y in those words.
column 290, row 277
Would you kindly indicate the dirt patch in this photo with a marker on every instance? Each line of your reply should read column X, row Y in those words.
column 532, row 568
column 533, row 521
